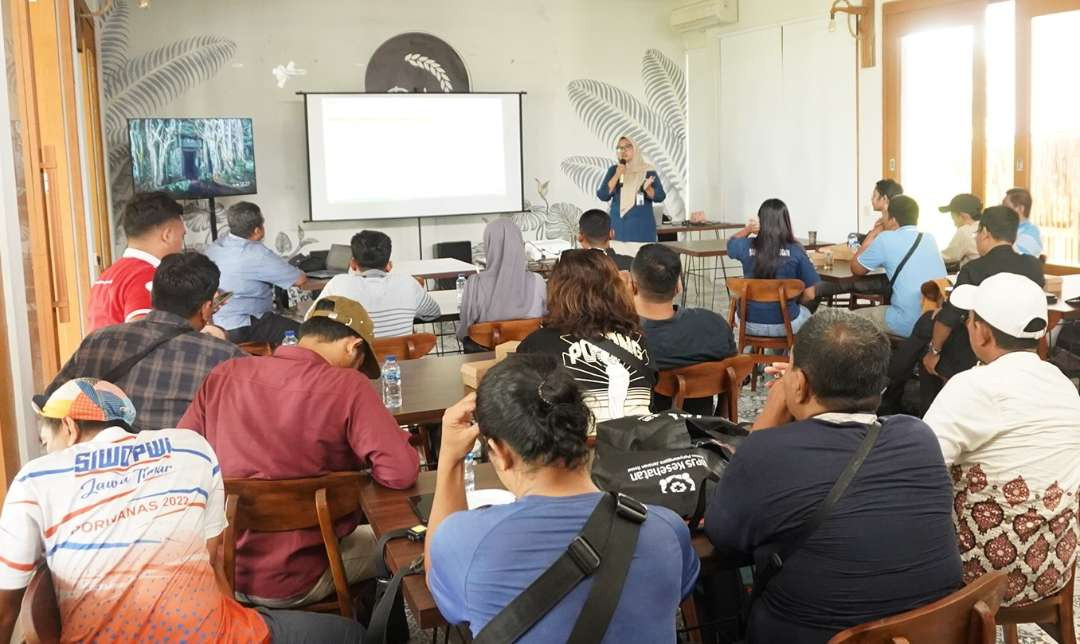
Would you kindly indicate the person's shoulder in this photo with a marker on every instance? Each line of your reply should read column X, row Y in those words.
column 668, row 519
column 218, row 346
column 465, row 529
column 700, row 316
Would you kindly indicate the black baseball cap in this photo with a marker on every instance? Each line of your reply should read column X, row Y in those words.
column 966, row 203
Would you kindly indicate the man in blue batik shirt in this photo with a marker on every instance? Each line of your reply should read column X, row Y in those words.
column 1028, row 236
column 250, row 271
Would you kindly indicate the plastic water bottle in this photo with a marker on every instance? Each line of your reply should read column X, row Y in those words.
column 470, row 468
column 391, row 382
column 853, row 241
column 460, row 286
column 290, row 339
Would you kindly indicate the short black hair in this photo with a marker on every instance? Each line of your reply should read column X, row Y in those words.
column 845, row 359
column 904, row 210
column 148, row 210
column 323, row 328
column 244, row 217
column 533, row 404
column 1008, row 342
column 656, row 271
column 888, row 188
column 183, row 282
column 371, row 249
column 1001, row 222
column 88, row 426
column 1020, row 197
column 595, row 226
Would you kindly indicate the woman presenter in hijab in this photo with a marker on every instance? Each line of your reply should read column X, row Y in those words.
column 632, row 186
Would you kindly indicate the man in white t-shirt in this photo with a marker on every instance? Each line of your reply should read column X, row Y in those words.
column 393, row 300
column 1010, row 431
column 129, row 526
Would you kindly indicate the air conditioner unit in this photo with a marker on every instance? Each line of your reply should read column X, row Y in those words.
column 694, row 15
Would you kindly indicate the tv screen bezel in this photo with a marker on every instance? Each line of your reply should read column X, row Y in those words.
column 187, row 196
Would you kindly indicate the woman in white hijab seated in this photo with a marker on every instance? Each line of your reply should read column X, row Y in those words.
column 632, row 186
column 505, row 289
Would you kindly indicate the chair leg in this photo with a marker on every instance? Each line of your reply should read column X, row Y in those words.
column 690, row 619
column 1012, row 635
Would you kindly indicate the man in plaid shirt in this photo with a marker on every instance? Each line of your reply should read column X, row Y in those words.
column 176, row 357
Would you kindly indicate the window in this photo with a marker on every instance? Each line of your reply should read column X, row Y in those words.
column 978, row 98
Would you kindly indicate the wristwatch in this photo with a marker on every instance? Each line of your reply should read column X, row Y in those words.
column 934, row 350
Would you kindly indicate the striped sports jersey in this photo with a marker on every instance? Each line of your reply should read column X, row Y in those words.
column 122, row 521
column 392, row 300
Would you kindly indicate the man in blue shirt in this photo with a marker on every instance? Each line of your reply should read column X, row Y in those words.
column 1028, row 236
column 887, row 246
column 250, row 271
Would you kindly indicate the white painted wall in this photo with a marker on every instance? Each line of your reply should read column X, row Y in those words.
column 537, row 46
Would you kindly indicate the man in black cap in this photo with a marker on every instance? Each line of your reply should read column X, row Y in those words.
column 965, row 209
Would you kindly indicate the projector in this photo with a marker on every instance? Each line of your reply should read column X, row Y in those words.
column 547, row 249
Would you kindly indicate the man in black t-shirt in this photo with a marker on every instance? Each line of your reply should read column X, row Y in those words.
column 888, row 545
column 594, row 231
column 675, row 338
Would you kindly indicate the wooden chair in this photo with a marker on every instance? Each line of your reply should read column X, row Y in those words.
column 295, row 504
column 406, row 347
column 1053, row 614
column 40, row 611
column 256, row 348
column 743, row 290
column 492, row 334
column 964, row 617
column 934, row 293
column 707, row 379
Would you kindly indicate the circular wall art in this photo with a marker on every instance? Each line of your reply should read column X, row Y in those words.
column 416, row 62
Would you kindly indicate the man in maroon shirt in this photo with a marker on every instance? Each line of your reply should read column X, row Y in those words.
column 305, row 411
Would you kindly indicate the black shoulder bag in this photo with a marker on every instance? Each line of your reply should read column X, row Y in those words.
column 626, row 358
column 903, row 262
column 769, row 559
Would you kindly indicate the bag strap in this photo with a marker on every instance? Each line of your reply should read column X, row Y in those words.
column 626, row 357
column 780, row 552
column 380, row 615
column 903, row 262
column 617, row 518
column 122, row 369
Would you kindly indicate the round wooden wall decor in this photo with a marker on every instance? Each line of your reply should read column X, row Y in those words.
column 416, row 62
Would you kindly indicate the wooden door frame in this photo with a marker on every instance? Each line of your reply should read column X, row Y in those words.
column 86, row 46
column 9, row 430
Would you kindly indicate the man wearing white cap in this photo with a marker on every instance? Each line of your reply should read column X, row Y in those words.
column 1008, row 428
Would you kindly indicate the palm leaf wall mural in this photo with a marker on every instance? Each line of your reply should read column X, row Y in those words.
column 659, row 128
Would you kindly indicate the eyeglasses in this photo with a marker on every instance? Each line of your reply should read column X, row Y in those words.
column 621, row 148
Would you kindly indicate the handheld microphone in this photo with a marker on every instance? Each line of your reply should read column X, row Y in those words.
column 621, row 162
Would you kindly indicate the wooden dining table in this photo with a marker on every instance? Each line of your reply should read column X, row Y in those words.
column 430, row 385
column 388, row 510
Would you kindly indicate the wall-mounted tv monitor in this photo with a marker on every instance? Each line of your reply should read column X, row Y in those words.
column 195, row 158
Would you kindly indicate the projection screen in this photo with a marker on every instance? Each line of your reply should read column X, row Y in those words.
column 383, row 156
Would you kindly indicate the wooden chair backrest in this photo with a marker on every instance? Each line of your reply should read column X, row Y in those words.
column 256, row 348
column 40, row 611
column 964, row 617
column 492, row 334
column 294, row 504
column 933, row 293
column 744, row 289
column 406, row 347
column 705, row 379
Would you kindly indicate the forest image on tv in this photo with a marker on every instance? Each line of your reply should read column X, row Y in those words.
column 193, row 158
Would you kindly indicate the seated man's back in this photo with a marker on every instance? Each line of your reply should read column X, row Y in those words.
column 487, row 557
column 124, row 520
column 295, row 415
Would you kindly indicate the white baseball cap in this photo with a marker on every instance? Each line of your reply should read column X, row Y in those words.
column 1010, row 303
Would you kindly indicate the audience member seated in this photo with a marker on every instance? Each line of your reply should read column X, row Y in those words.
column 154, row 228
column 531, row 417
column 940, row 338
column 305, row 411
column 161, row 359
column 884, row 191
column 1009, row 430
column 1028, row 237
column 888, row 545
column 129, row 526
column 675, row 338
column 594, row 232
column 773, row 253
column 393, row 300
column 591, row 325
column 505, row 289
column 965, row 211
column 250, row 271
column 909, row 258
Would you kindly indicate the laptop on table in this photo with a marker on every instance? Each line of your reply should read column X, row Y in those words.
column 337, row 262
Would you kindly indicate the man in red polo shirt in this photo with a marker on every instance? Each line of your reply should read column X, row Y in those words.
column 154, row 229
column 305, row 411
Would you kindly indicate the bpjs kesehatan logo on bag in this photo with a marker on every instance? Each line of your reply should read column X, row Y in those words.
column 672, row 474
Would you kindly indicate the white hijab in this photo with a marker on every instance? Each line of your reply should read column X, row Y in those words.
column 633, row 177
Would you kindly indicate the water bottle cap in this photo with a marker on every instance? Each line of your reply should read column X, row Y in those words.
column 391, row 358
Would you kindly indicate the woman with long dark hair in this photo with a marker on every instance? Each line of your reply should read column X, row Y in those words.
column 591, row 324
column 529, row 414
column 767, row 249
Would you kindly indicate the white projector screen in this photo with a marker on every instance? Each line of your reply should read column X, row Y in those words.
column 389, row 156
